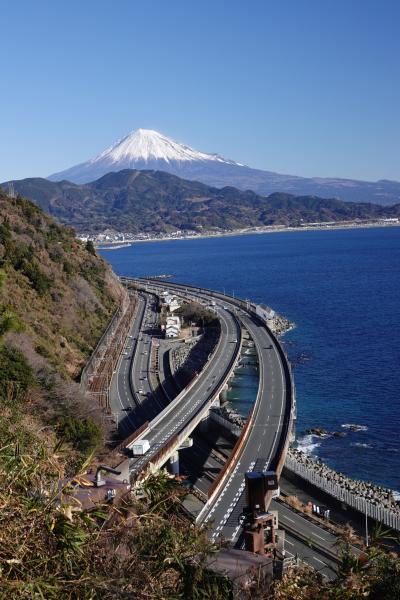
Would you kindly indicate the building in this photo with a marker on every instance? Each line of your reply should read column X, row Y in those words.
column 265, row 312
column 173, row 327
column 173, row 304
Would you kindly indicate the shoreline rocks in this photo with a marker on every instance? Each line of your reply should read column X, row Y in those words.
column 371, row 492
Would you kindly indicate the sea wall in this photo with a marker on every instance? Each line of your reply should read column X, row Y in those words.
column 367, row 498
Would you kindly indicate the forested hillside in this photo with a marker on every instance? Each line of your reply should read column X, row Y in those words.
column 158, row 202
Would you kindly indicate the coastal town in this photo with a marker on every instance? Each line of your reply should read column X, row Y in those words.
column 111, row 239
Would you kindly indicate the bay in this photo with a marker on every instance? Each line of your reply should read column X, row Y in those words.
column 342, row 290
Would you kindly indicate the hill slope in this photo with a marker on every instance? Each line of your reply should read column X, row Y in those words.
column 148, row 149
column 60, row 291
column 155, row 201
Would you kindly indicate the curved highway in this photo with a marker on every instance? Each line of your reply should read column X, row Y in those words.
column 261, row 449
column 196, row 398
column 130, row 395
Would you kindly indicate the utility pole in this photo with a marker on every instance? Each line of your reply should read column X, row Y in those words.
column 366, row 525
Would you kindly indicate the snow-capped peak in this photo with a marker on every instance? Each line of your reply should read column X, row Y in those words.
column 146, row 149
column 148, row 145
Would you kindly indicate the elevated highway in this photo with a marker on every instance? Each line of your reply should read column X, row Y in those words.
column 265, row 440
column 263, row 445
column 264, row 448
column 166, row 428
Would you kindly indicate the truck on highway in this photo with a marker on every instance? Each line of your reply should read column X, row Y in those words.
column 140, row 447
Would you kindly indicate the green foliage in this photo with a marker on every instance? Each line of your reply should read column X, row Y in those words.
column 14, row 370
column 192, row 312
column 83, row 434
column 160, row 202
column 90, row 247
column 68, row 268
column 40, row 282
column 8, row 321
column 42, row 350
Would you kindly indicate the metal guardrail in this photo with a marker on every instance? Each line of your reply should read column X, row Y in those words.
column 126, row 443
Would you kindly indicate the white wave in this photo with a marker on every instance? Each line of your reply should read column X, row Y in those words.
column 360, row 445
column 355, row 427
column 307, row 444
column 396, row 495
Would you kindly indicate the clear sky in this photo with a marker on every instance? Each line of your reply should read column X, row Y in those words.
column 306, row 87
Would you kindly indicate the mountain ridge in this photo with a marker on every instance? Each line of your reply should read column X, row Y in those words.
column 144, row 149
column 149, row 201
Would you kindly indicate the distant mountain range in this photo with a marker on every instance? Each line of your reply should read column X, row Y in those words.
column 147, row 149
column 155, row 201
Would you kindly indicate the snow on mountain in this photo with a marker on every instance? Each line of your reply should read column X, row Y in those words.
column 141, row 149
column 148, row 149
column 146, row 144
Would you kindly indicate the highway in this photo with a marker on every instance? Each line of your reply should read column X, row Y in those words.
column 163, row 430
column 313, row 543
column 131, row 375
column 262, row 445
column 262, row 448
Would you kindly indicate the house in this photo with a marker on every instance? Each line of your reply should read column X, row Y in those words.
column 173, row 327
column 173, row 304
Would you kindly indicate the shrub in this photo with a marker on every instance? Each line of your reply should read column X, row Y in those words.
column 90, row 247
column 68, row 268
column 40, row 282
column 43, row 351
column 14, row 370
column 8, row 321
column 83, row 434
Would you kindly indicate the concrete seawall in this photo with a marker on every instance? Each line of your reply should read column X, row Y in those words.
column 368, row 499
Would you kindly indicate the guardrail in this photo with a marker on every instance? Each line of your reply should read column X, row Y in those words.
column 375, row 511
column 172, row 405
column 126, row 443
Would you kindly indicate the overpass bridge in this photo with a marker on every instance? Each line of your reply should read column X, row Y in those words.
column 263, row 443
column 265, row 438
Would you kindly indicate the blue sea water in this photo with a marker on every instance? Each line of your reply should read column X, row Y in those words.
column 342, row 290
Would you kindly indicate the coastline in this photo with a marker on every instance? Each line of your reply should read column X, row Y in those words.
column 248, row 231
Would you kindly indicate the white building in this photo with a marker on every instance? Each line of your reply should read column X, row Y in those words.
column 173, row 305
column 173, row 327
column 265, row 312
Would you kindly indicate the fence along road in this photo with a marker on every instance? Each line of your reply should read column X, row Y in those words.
column 266, row 443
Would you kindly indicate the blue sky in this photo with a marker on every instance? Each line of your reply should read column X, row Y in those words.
column 307, row 87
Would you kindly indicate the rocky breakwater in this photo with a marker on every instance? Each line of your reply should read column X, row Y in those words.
column 370, row 492
column 228, row 413
column 281, row 325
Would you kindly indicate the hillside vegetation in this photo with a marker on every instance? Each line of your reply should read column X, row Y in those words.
column 157, row 202
column 56, row 298
column 58, row 292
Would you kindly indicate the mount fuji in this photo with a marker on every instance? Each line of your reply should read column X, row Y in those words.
column 145, row 149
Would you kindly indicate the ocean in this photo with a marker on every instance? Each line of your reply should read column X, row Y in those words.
column 341, row 288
